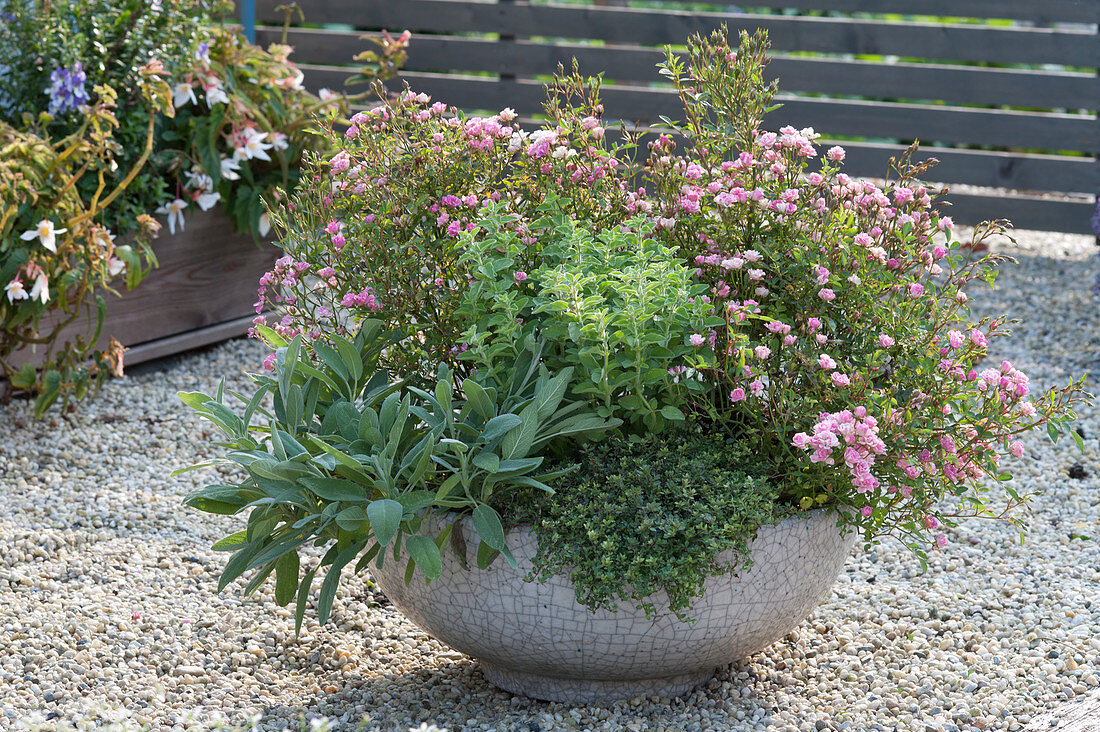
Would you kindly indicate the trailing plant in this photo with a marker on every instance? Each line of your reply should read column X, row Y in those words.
column 55, row 255
column 228, row 123
column 56, row 53
column 349, row 460
column 654, row 514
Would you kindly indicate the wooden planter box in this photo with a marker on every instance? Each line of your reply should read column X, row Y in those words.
column 202, row 292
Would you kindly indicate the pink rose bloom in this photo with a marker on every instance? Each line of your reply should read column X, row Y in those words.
column 696, row 340
column 520, row 276
column 941, row 541
column 821, row 339
column 800, row 440
column 822, row 275
column 939, row 252
column 916, row 289
column 757, row 387
column 836, row 153
column 826, row 362
column 826, row 294
column 885, row 341
column 762, row 352
column 978, row 338
column 840, row 379
column 866, row 511
column 813, row 324
column 1017, row 450
column 737, row 395
column 955, row 339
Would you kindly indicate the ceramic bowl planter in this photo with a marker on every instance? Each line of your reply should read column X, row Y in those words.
column 535, row 639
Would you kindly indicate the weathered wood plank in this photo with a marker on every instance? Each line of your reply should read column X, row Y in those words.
column 171, row 345
column 982, row 168
column 1046, row 12
column 932, row 124
column 207, row 276
column 1080, row 715
column 961, row 84
column 1071, row 217
column 634, row 25
column 1022, row 172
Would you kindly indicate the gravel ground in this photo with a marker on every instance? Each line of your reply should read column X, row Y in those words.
column 108, row 606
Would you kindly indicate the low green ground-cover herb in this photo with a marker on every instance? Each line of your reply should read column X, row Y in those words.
column 641, row 516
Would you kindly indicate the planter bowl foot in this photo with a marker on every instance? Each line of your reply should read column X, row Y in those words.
column 590, row 691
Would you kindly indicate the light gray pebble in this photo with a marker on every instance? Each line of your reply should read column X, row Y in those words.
column 108, row 596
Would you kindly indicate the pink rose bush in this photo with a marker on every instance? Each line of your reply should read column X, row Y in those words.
column 742, row 281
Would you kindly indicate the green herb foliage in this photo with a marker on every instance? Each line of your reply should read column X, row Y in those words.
column 349, row 460
column 653, row 514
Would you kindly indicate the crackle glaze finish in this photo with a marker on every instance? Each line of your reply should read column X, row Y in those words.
column 535, row 639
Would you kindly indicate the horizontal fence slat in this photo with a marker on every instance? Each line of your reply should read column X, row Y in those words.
column 1021, row 172
column 631, row 25
column 980, row 168
column 1038, row 214
column 970, row 85
column 1045, row 12
column 931, row 124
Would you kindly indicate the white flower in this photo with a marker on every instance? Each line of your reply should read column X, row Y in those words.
column 115, row 266
column 293, row 83
column 45, row 233
column 254, row 147
column 103, row 238
column 182, row 94
column 15, row 290
column 230, row 166
column 41, row 289
column 174, row 211
column 516, row 141
column 199, row 181
column 214, row 92
column 327, row 95
column 265, row 224
column 207, row 200
column 279, row 140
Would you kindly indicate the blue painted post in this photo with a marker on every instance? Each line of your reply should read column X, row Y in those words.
column 248, row 19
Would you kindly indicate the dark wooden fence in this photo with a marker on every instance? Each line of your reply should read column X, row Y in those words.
column 1006, row 105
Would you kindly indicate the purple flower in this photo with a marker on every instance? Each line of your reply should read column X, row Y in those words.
column 66, row 90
